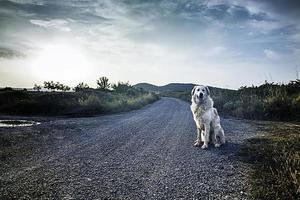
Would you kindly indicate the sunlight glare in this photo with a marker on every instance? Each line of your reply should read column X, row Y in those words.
column 62, row 63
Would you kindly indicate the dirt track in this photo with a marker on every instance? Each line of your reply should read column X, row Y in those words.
column 144, row 154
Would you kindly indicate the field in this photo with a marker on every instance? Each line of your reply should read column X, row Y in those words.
column 269, row 101
column 275, row 158
column 82, row 103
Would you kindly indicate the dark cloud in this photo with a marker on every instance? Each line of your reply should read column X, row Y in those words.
column 146, row 33
column 10, row 53
column 55, row 9
column 283, row 7
column 172, row 21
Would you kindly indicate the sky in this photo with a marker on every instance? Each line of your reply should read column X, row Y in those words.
column 229, row 43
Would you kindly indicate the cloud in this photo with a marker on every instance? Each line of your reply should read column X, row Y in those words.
column 59, row 24
column 36, row 2
column 10, row 53
column 216, row 51
column 289, row 8
column 265, row 26
column 296, row 37
column 272, row 55
column 158, row 36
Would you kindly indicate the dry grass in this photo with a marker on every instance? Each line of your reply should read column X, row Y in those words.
column 83, row 103
column 275, row 158
column 269, row 101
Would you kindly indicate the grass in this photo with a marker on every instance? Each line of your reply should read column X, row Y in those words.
column 275, row 158
column 83, row 103
column 268, row 101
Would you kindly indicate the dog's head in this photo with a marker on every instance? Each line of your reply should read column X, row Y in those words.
column 200, row 93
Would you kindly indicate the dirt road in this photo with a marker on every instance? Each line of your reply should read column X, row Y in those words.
column 143, row 154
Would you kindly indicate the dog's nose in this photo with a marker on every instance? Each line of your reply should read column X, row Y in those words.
column 201, row 95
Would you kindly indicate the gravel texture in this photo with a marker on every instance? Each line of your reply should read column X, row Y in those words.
column 143, row 154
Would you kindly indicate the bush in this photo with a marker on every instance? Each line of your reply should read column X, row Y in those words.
column 81, row 87
column 268, row 101
column 81, row 103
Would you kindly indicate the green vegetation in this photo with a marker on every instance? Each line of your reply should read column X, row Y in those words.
column 50, row 85
column 103, row 83
column 268, row 101
column 275, row 157
column 81, row 87
column 84, row 102
column 37, row 87
column 276, row 162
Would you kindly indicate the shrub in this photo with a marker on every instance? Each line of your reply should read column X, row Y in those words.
column 123, row 87
column 37, row 87
column 268, row 101
column 103, row 83
column 81, row 103
column 81, row 87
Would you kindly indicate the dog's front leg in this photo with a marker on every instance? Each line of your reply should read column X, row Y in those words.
column 206, row 135
column 198, row 140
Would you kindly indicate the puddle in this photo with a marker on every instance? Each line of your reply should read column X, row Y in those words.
column 15, row 123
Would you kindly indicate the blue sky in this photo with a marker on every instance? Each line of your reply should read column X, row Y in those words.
column 226, row 43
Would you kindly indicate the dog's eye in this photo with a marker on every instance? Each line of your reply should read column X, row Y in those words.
column 198, row 90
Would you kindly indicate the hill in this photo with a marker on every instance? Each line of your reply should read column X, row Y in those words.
column 147, row 87
column 165, row 88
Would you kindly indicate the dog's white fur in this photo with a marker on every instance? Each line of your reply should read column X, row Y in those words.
column 206, row 118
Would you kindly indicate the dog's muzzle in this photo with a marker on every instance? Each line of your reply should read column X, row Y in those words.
column 201, row 95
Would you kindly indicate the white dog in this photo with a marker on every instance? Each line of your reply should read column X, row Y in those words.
column 206, row 117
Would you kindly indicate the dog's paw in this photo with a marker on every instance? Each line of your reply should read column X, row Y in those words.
column 197, row 143
column 204, row 146
column 217, row 145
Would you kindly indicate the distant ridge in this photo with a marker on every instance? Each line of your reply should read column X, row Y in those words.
column 165, row 88
column 147, row 87
column 172, row 87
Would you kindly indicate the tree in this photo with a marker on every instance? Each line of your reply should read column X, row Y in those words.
column 50, row 85
column 122, row 87
column 103, row 83
column 59, row 86
column 65, row 88
column 37, row 87
column 56, row 86
column 62, row 87
column 81, row 86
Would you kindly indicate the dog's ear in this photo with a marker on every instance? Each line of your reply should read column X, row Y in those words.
column 207, row 90
column 193, row 90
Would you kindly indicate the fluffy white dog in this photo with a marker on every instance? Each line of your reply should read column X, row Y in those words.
column 206, row 118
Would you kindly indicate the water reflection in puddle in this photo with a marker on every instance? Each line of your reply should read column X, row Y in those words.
column 15, row 123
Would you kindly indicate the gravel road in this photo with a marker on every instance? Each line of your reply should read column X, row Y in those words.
column 143, row 154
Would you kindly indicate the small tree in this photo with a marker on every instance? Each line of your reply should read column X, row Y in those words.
column 81, row 86
column 46, row 85
column 50, row 85
column 62, row 87
column 65, row 88
column 56, row 86
column 37, row 87
column 103, row 83
column 59, row 86
column 122, row 87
